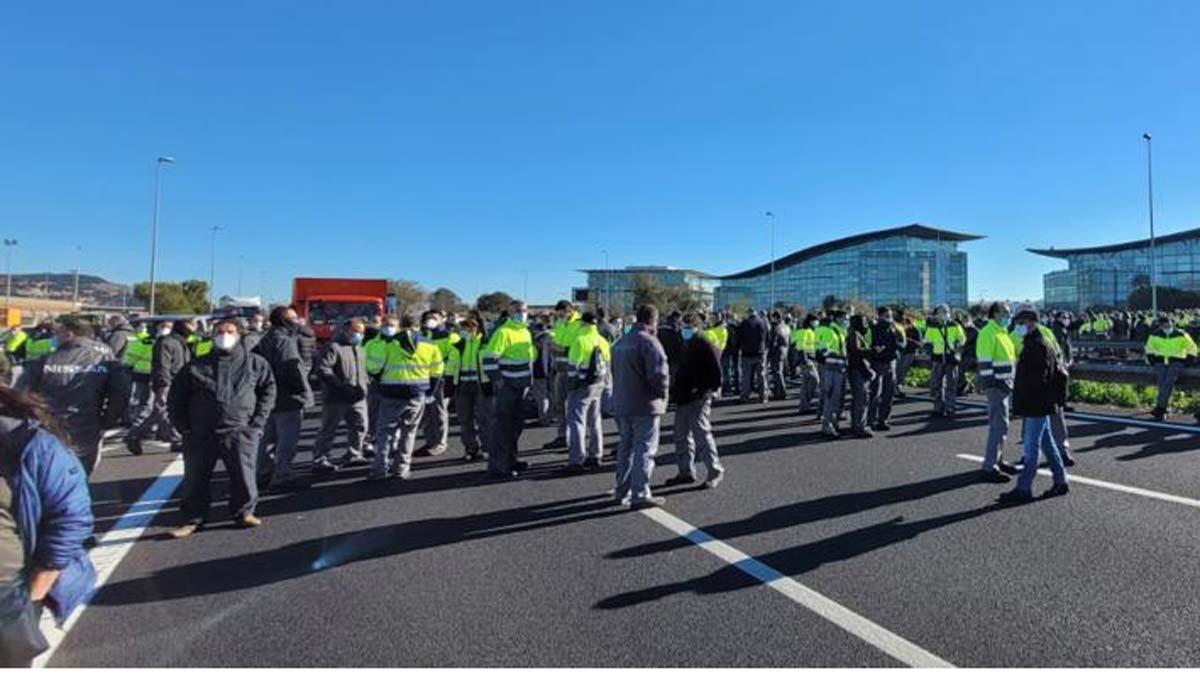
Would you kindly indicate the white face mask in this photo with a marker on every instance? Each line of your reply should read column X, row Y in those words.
column 431, row 324
column 1022, row 330
column 225, row 341
column 164, row 332
column 389, row 331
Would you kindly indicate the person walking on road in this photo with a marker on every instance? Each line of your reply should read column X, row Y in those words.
column 292, row 394
column 1038, row 387
column 508, row 362
column 589, row 360
column 860, row 374
column 887, row 342
column 696, row 384
column 752, row 341
column 85, row 386
column 221, row 402
column 342, row 369
column 170, row 354
column 640, row 387
column 45, row 520
column 995, row 357
column 412, row 371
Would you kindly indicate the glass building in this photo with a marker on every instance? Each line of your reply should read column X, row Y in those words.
column 614, row 288
column 914, row 265
column 1104, row 276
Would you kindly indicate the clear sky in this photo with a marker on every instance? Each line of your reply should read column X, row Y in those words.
column 464, row 143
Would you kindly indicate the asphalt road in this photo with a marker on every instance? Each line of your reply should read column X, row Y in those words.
column 450, row 570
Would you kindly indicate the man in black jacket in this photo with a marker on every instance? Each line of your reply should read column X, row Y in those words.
column 670, row 334
column 342, row 369
column 887, row 342
column 752, row 340
column 695, row 385
column 279, row 347
column 171, row 354
column 221, row 402
column 731, row 364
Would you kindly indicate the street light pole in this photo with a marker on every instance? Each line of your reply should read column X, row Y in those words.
column 75, row 293
column 525, row 286
column 607, row 276
column 154, row 229
column 212, row 269
column 9, row 245
column 1150, row 200
column 771, row 217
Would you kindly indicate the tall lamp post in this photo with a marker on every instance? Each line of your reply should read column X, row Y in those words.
column 1150, row 201
column 9, row 245
column 607, row 297
column 212, row 268
column 75, row 293
column 771, row 217
column 158, row 164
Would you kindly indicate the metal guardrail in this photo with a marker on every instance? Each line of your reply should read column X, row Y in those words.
column 1123, row 373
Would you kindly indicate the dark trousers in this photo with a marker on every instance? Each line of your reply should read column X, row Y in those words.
column 508, row 421
column 883, row 388
column 238, row 451
column 731, row 368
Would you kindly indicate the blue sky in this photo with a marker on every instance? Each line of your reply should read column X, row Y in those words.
column 463, row 143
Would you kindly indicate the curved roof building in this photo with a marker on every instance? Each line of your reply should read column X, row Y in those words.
column 1106, row 275
column 914, row 265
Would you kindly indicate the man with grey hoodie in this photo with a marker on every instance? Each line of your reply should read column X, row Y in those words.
column 640, row 385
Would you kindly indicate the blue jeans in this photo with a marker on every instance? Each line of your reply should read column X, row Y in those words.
column 1037, row 435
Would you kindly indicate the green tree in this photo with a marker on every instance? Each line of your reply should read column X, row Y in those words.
column 493, row 303
column 172, row 297
column 446, row 300
column 409, row 295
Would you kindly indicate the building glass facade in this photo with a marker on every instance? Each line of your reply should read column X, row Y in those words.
column 614, row 288
column 915, row 266
column 1105, row 276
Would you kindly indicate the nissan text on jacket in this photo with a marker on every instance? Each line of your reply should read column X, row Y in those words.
column 279, row 347
column 86, row 388
column 640, row 375
column 221, row 392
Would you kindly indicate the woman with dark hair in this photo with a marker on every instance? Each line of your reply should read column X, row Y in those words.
column 45, row 518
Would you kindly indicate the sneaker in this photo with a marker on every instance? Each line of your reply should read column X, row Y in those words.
column 520, row 466
column 323, row 466
column 355, row 460
column 471, row 457
column 882, row 426
column 134, row 446
column 555, row 444
column 573, row 470
column 249, row 520
column 714, row 480
column 993, row 476
column 439, row 450
column 1056, row 491
column 621, row 501
column 186, row 530
column 832, row 434
column 680, row 479
column 591, row 463
column 1068, row 459
column 1008, row 468
column 647, row 502
column 1015, row 496
column 403, row 472
column 861, row 433
column 1158, row 414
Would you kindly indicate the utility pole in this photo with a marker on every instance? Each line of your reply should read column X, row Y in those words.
column 771, row 217
column 212, row 269
column 75, row 293
column 1150, row 200
column 9, row 245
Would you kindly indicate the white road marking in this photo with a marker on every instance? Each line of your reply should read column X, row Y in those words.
column 870, row 632
column 115, row 545
column 1128, row 489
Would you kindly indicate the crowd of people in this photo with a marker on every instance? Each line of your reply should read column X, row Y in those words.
column 238, row 393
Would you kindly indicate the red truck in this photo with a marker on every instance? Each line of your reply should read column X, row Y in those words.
column 325, row 303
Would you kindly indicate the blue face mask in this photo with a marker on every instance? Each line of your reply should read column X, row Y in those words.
column 688, row 333
column 54, row 342
column 520, row 317
column 356, row 338
column 1006, row 319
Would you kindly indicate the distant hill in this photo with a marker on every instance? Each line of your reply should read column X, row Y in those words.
column 93, row 290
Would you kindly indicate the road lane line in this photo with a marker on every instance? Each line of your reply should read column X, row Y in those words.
column 872, row 633
column 115, row 545
column 1128, row 489
column 1092, row 417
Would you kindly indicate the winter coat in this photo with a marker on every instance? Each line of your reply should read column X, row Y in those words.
column 222, row 391
column 670, row 336
column 171, row 354
column 1039, row 384
column 699, row 371
column 86, row 388
column 306, row 344
column 887, row 341
column 279, row 347
column 752, row 336
column 640, row 375
column 53, row 511
column 342, row 369
column 118, row 339
column 858, row 354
